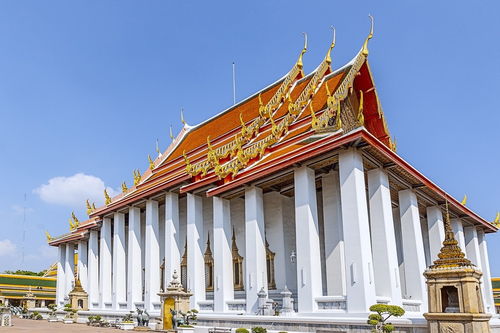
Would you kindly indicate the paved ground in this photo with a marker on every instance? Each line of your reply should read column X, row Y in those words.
column 43, row 326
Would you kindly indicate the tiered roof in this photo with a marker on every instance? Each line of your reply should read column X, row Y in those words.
column 295, row 118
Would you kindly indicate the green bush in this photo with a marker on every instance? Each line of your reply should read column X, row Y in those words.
column 382, row 313
column 282, row 332
column 258, row 329
column 39, row 317
column 242, row 330
column 186, row 326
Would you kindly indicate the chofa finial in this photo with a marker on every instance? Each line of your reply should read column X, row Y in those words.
column 332, row 45
column 304, row 50
column 464, row 200
column 171, row 134
column 182, row 117
column 107, row 198
column 364, row 50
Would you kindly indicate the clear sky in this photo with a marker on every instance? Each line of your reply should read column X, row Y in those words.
column 86, row 88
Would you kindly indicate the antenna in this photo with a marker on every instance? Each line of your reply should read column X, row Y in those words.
column 24, row 229
column 234, row 83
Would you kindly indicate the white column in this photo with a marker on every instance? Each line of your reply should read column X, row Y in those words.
column 105, row 265
column 435, row 226
column 93, row 269
column 82, row 264
column 309, row 284
column 458, row 229
column 334, row 235
column 474, row 254
column 413, row 248
column 152, row 258
column 195, row 249
column 134, row 267
column 172, row 241
column 358, row 255
column 223, row 260
column 273, row 217
column 61, row 276
column 69, row 268
column 385, row 259
column 119, row 262
column 255, row 247
column 485, row 265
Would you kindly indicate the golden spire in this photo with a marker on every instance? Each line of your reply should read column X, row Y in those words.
column 137, row 177
column 451, row 254
column 73, row 221
column 304, row 50
column 328, row 57
column 89, row 208
column 464, row 200
column 107, row 198
column 151, row 162
column 361, row 117
column 364, row 50
column 93, row 206
column 48, row 236
column 124, row 187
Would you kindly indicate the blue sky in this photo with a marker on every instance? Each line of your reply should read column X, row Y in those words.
column 86, row 88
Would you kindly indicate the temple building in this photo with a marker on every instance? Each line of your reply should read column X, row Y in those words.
column 298, row 187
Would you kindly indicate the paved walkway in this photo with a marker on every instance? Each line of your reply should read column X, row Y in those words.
column 43, row 326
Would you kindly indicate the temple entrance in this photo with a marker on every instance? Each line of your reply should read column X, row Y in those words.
column 168, row 305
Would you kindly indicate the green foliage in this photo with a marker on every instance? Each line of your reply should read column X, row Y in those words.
column 242, row 330
column 23, row 272
column 382, row 313
column 282, row 332
column 186, row 326
column 128, row 318
column 258, row 329
column 38, row 317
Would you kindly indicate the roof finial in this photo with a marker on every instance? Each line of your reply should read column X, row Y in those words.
column 464, row 200
column 496, row 221
column 364, row 50
column 171, row 134
column 304, row 50
column 332, row 45
column 182, row 117
column 158, row 148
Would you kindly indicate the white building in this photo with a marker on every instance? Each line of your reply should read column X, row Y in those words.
column 297, row 187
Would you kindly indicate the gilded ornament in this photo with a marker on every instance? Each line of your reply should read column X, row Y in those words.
column 89, row 208
column 48, row 236
column 137, row 177
column 182, row 118
column 107, row 198
column 464, row 200
column 171, row 134
column 496, row 222
column 361, row 117
column 364, row 50
column 151, row 163
column 124, row 187
column 93, row 206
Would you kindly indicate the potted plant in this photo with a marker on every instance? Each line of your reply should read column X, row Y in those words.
column 70, row 314
column 52, row 314
column 127, row 322
column 189, row 319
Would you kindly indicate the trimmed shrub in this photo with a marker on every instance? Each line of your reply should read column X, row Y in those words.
column 242, row 330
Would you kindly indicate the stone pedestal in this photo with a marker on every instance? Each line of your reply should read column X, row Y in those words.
column 287, row 307
column 173, row 300
column 29, row 300
column 5, row 317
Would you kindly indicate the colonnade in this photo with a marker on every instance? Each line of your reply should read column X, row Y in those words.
column 352, row 248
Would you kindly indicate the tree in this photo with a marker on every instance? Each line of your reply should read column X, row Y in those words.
column 22, row 272
column 382, row 313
